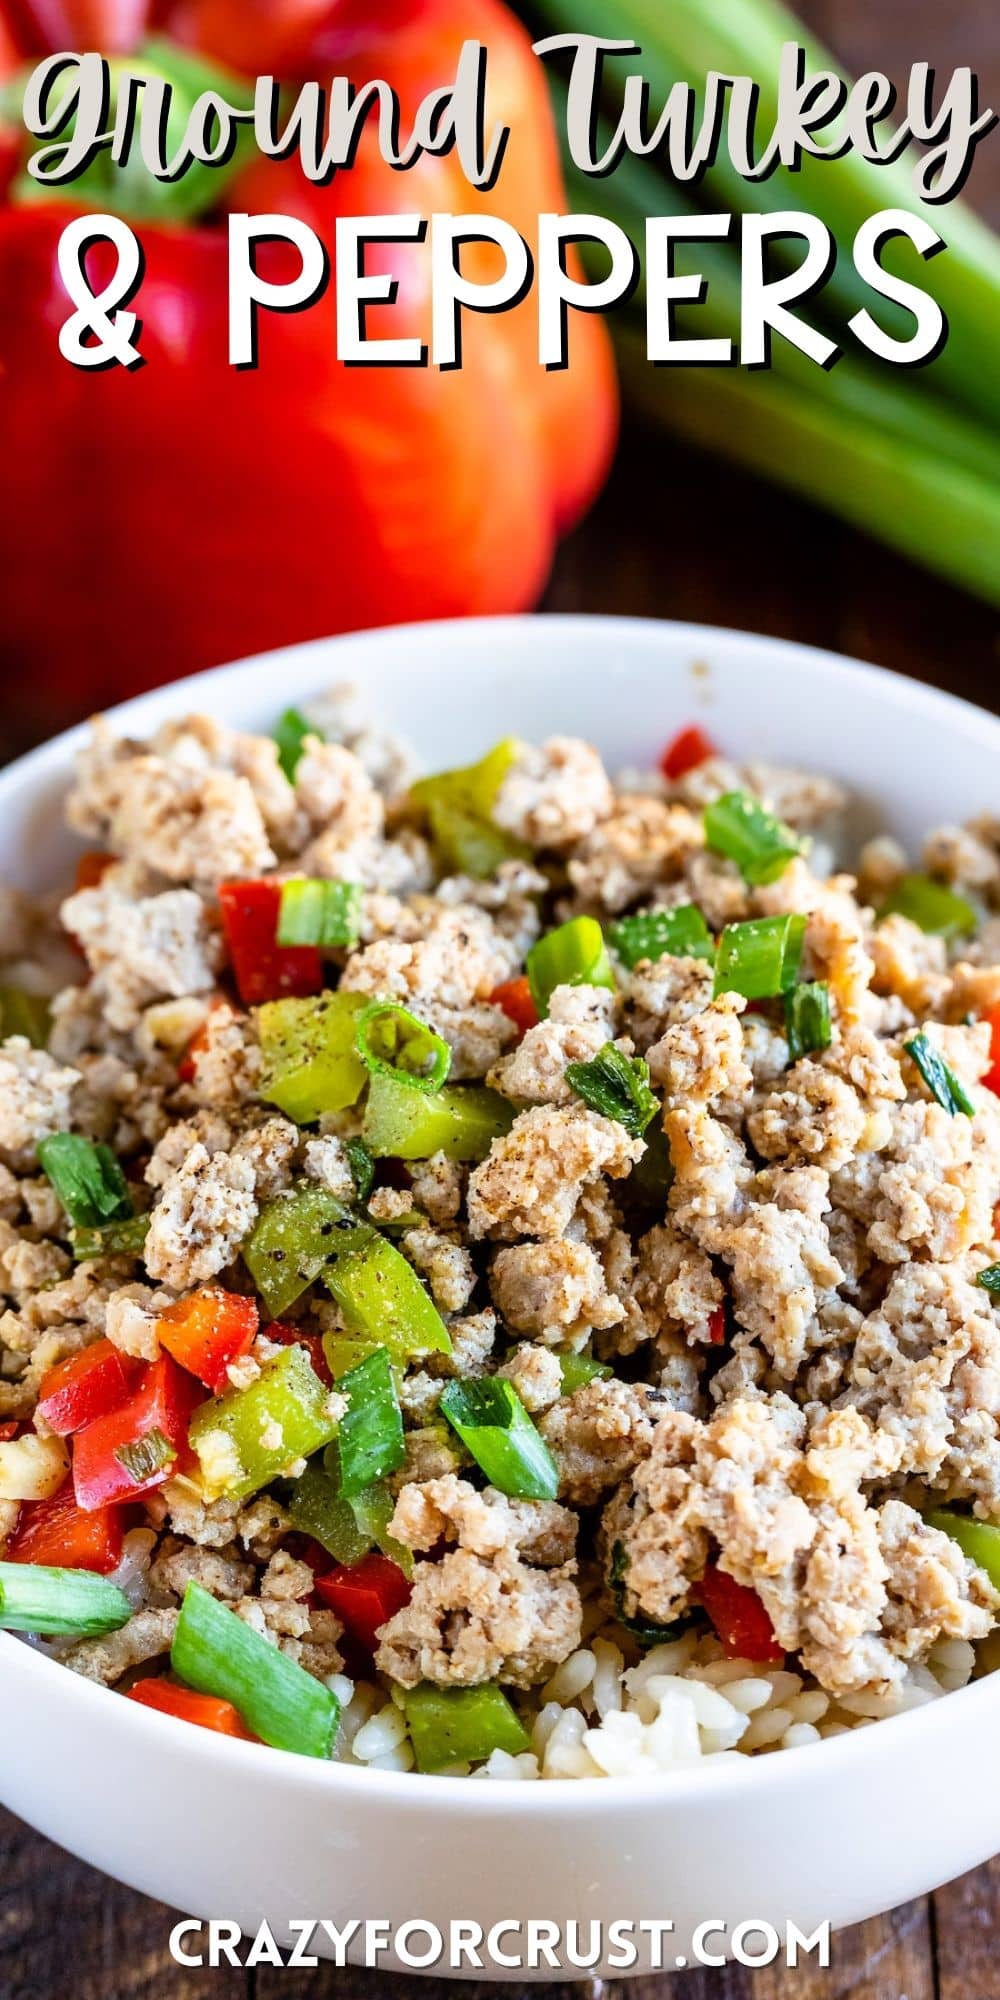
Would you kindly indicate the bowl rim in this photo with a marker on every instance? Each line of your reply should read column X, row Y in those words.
column 679, row 1783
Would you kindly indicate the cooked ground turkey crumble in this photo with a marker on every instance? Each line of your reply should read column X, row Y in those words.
column 798, row 1361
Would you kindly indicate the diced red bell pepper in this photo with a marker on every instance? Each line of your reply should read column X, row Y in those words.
column 86, row 1386
column 262, row 968
column 739, row 1617
column 717, row 1326
column 58, row 1533
column 165, row 1401
column 992, row 1076
column 686, row 751
column 9, row 1430
column 209, row 1711
column 295, row 1336
column 91, row 868
column 207, row 1331
column 365, row 1595
column 514, row 996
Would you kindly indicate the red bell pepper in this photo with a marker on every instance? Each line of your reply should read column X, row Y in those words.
column 262, row 968
column 85, row 1387
column 685, row 751
column 295, row 1336
column 514, row 996
column 208, row 1331
column 365, row 1595
column 717, row 1326
column 333, row 496
column 58, row 1533
column 207, row 1710
column 739, row 1617
column 9, row 1430
column 164, row 1403
column 992, row 1075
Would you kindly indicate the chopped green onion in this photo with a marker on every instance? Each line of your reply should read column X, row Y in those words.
column 979, row 1540
column 738, row 826
column 215, row 1652
column 648, row 1185
column 932, row 906
column 317, row 912
column 495, row 1427
column 310, row 1062
column 941, row 1081
column 579, row 1369
column 290, row 734
column 807, row 1018
column 393, row 1042
column 370, row 1438
column 87, row 1178
column 461, row 1725
column 145, row 1456
column 58, row 1602
column 126, row 1238
column 458, row 805
column 760, row 958
column 680, row 933
column 617, row 1086
column 643, row 1630
column 990, row 1278
column 382, row 1299
column 294, row 1236
column 461, row 1121
column 573, row 955
column 27, row 1014
column 362, row 1167
column 250, row 1436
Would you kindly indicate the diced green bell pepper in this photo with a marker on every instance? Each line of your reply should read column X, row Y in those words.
column 579, row 1369
column 250, row 1436
column 27, row 1014
column 461, row 1725
column 310, row 1061
column 459, row 805
column 461, row 1121
column 291, row 1241
column 979, row 1540
column 346, row 1526
column 382, row 1299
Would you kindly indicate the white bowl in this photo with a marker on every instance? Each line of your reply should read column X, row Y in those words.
column 836, row 1830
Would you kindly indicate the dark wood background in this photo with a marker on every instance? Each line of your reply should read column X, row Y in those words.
column 675, row 535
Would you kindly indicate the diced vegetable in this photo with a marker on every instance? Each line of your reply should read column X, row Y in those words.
column 760, row 958
column 31, row 1467
column 458, row 805
column 461, row 1725
column 347, row 1527
column 943, row 1084
column 648, row 1185
column 214, row 1652
column 362, row 1167
column 393, row 1042
column 262, row 968
column 578, row 1369
column 85, row 1386
column 807, row 1018
column 979, row 1540
column 27, row 1014
column 572, row 955
column 207, row 1331
column 365, row 1596
column 514, row 997
column 292, row 1239
column 685, row 751
column 461, row 1121
column 313, row 911
column 87, row 1178
column 58, row 1534
column 382, row 1299
column 58, row 1602
column 207, row 1711
column 370, row 1437
column 990, row 1278
column 717, row 1326
column 742, row 829
column 91, row 869
column 299, row 1335
column 738, row 1616
column 310, row 1061
column 680, row 933
column 933, row 906
column 244, row 1439
column 617, row 1086
column 290, row 733
column 126, row 1238
column 107, row 1467
column 644, row 1630
column 495, row 1427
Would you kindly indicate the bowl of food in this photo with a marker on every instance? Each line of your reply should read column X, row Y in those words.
column 498, row 1250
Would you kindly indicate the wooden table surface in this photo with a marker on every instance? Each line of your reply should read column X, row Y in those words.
column 676, row 535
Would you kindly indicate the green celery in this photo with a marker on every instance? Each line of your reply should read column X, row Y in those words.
column 461, row 1725
column 231, row 1434
column 292, row 1239
column 310, row 1061
column 461, row 1121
